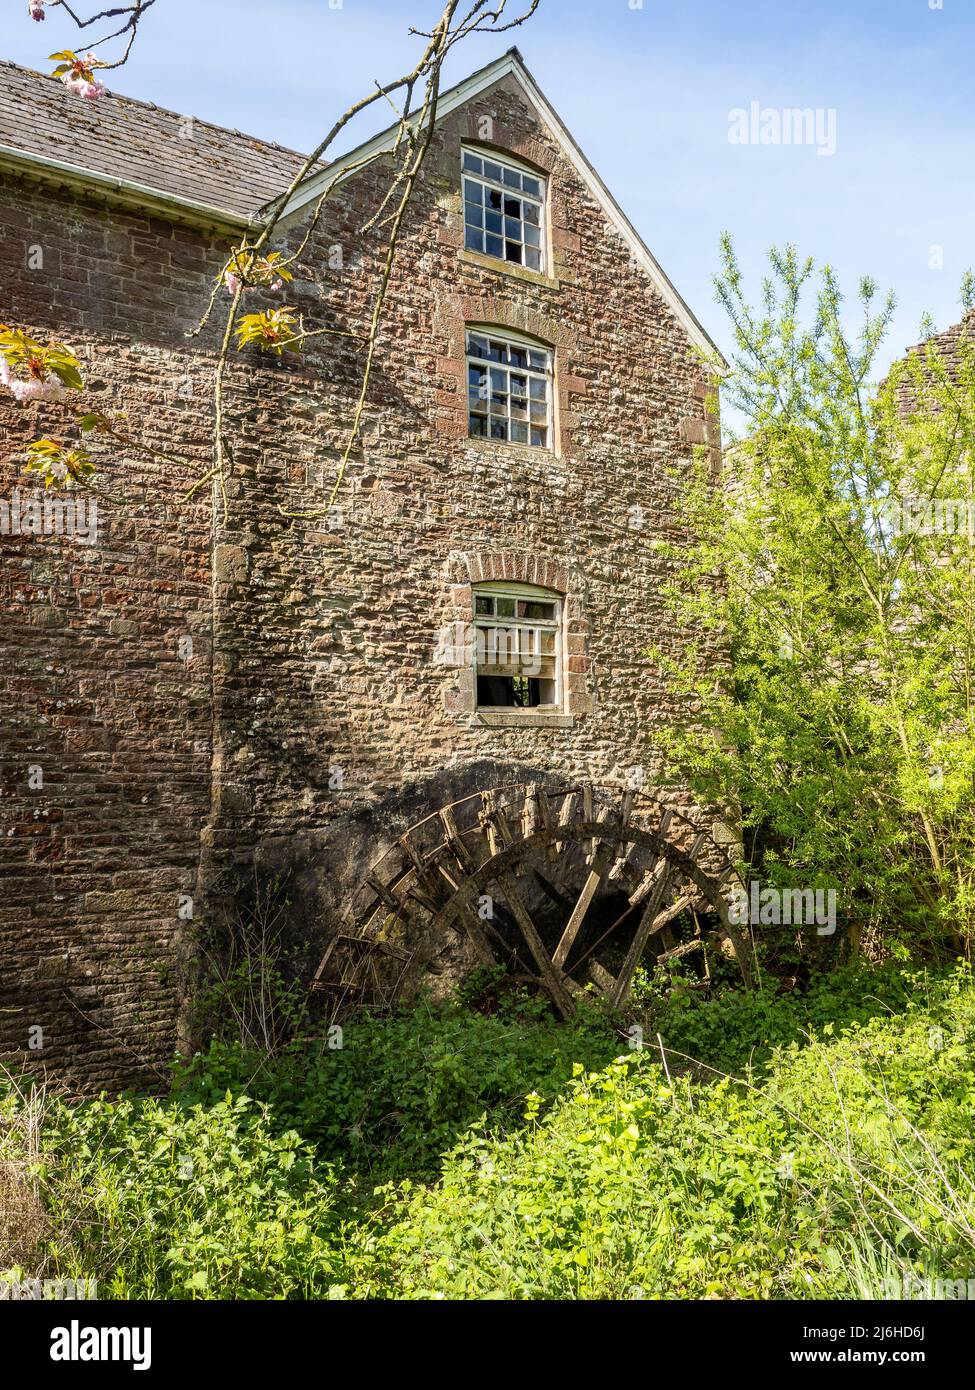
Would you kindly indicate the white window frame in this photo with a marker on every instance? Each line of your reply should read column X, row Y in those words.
column 505, row 589
column 485, row 181
column 483, row 390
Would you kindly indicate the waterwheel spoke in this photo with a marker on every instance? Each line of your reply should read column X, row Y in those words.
column 649, row 924
column 472, row 925
column 601, row 978
column 529, row 931
column 644, row 928
column 497, row 837
column 592, row 886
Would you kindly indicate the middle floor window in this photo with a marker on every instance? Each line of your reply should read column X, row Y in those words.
column 509, row 393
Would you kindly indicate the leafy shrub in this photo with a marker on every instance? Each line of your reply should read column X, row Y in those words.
column 840, row 1161
column 631, row 1186
column 158, row 1199
column 401, row 1090
column 738, row 1029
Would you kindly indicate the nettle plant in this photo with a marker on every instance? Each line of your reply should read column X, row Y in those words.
column 252, row 265
column 843, row 722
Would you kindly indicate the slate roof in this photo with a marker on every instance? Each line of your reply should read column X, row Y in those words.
column 140, row 143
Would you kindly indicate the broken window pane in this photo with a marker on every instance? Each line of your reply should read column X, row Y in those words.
column 531, row 608
column 517, row 647
column 513, row 392
column 495, row 192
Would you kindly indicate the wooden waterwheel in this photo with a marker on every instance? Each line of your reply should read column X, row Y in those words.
column 569, row 886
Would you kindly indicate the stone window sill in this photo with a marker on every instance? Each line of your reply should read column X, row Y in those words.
column 523, row 719
column 517, row 272
column 505, row 446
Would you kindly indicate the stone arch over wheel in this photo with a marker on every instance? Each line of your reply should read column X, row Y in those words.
column 513, row 875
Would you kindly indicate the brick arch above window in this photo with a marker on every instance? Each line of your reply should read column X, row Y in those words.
column 518, row 317
column 517, row 566
column 485, row 132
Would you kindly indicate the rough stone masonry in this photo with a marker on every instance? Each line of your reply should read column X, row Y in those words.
column 190, row 690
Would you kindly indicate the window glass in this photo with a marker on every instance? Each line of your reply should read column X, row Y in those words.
column 517, row 647
column 509, row 391
column 502, row 211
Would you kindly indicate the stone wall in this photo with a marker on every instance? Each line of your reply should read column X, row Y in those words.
column 306, row 712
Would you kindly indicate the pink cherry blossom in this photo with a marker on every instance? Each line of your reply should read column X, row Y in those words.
column 31, row 390
column 90, row 91
column 35, row 390
column 232, row 282
column 36, row 9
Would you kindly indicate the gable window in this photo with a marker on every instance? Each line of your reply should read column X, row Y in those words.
column 517, row 646
column 509, row 392
column 503, row 210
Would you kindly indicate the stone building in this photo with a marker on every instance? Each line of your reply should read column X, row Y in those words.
column 188, row 694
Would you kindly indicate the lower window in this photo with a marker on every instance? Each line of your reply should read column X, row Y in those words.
column 517, row 647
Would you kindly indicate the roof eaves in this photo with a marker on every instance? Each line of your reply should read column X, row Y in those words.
column 123, row 191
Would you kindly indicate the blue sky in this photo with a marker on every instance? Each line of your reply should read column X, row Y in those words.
column 647, row 93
